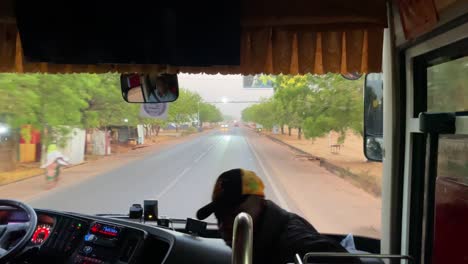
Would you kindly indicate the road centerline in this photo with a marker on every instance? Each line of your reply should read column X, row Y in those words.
column 187, row 169
column 173, row 182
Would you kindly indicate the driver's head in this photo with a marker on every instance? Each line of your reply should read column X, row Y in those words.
column 161, row 85
column 235, row 191
column 157, row 83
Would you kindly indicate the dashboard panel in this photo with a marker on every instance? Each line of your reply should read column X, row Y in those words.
column 76, row 238
column 72, row 239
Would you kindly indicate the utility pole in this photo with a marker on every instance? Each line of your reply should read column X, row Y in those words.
column 198, row 114
column 128, row 129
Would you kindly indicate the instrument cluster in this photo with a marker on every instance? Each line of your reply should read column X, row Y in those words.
column 41, row 234
column 43, row 230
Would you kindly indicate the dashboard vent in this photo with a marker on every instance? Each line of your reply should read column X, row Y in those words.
column 52, row 241
column 128, row 249
column 154, row 249
column 62, row 236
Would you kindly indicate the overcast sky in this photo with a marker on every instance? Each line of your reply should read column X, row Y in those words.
column 213, row 88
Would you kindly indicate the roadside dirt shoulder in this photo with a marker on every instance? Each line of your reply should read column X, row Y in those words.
column 346, row 161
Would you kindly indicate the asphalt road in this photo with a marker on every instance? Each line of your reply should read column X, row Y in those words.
column 181, row 178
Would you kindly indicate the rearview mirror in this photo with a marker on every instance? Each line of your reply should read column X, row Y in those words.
column 373, row 117
column 149, row 88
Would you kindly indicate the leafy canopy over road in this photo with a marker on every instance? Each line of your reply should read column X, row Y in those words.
column 314, row 104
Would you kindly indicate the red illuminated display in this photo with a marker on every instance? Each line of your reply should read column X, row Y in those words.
column 41, row 234
column 105, row 230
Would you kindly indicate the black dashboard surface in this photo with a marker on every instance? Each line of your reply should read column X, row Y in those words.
column 75, row 238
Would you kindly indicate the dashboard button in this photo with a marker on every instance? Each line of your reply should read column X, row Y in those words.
column 87, row 249
column 78, row 259
column 90, row 238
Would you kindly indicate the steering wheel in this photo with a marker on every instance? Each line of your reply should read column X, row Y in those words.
column 10, row 228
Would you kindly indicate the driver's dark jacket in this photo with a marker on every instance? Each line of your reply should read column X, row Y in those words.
column 279, row 235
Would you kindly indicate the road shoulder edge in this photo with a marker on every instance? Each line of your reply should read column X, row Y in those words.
column 357, row 180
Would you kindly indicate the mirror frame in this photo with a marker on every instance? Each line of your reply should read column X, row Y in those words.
column 366, row 136
column 143, row 78
column 352, row 76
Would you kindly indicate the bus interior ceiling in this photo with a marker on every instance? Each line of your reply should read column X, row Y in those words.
column 295, row 37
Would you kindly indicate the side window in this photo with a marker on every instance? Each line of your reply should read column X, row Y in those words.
column 447, row 86
column 441, row 86
column 441, row 76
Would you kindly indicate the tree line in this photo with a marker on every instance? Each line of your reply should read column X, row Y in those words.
column 56, row 102
column 314, row 104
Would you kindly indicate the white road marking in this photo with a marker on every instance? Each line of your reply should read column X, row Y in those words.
column 200, row 157
column 203, row 154
column 276, row 191
column 177, row 179
column 173, row 183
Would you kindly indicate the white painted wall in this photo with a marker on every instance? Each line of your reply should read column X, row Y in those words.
column 98, row 139
column 75, row 147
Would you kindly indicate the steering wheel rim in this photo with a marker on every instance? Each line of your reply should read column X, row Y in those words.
column 21, row 244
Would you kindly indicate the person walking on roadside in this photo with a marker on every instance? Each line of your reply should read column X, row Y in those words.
column 54, row 162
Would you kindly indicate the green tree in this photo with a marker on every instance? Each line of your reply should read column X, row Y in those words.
column 290, row 93
column 210, row 113
column 185, row 108
column 335, row 104
column 56, row 102
column 105, row 105
column 18, row 98
column 262, row 113
column 315, row 104
column 46, row 101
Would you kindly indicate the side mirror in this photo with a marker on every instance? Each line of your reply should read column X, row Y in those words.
column 149, row 88
column 352, row 76
column 373, row 116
